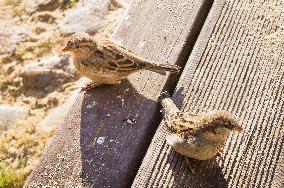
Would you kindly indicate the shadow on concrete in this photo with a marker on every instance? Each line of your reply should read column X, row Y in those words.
column 190, row 172
column 114, row 134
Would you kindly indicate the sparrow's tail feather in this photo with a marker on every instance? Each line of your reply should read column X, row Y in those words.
column 162, row 68
column 167, row 103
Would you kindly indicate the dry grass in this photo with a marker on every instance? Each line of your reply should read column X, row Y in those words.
column 17, row 6
column 20, row 150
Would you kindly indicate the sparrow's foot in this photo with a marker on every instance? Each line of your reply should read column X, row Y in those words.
column 220, row 152
column 90, row 86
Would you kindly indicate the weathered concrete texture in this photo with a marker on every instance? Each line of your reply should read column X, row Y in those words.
column 104, row 137
column 236, row 65
column 278, row 180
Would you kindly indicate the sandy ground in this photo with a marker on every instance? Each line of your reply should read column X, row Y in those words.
column 27, row 38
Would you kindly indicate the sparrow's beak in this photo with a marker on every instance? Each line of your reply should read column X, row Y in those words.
column 66, row 48
column 69, row 46
column 237, row 128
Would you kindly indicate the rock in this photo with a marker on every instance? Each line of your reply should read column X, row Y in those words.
column 10, row 114
column 87, row 17
column 49, row 73
column 10, row 36
column 32, row 6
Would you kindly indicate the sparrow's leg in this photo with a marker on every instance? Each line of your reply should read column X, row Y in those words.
column 220, row 152
column 90, row 86
column 190, row 165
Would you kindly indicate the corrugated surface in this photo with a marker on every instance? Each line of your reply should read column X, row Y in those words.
column 278, row 181
column 237, row 65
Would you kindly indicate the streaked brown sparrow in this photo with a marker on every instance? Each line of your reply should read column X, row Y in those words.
column 105, row 62
column 200, row 136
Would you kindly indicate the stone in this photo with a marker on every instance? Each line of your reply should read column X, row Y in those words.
column 10, row 36
column 32, row 6
column 10, row 114
column 49, row 73
column 87, row 17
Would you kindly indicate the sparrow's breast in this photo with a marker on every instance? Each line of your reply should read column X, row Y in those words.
column 99, row 74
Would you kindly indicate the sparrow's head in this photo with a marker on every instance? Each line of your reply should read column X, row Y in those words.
column 79, row 43
column 218, row 124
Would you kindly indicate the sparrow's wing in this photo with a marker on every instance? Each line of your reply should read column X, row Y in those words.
column 179, row 126
column 120, row 58
column 189, row 120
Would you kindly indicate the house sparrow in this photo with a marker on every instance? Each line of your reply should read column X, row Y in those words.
column 199, row 136
column 105, row 62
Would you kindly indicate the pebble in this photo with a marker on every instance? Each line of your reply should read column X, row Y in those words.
column 100, row 140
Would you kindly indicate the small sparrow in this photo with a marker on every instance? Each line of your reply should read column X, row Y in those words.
column 200, row 136
column 105, row 62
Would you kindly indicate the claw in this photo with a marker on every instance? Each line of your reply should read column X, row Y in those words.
column 89, row 86
column 220, row 152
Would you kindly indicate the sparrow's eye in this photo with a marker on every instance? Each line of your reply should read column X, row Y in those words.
column 77, row 46
column 69, row 43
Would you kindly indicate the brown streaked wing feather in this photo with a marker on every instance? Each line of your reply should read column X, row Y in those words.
column 124, row 65
column 188, row 116
column 182, row 122
column 125, row 60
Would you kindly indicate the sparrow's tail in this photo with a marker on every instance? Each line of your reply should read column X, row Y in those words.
column 167, row 103
column 162, row 68
column 221, row 117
